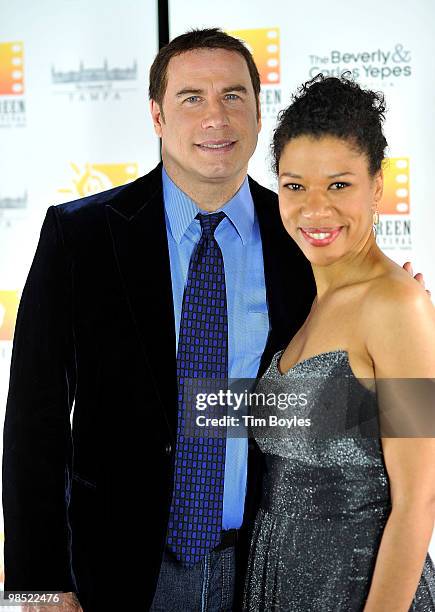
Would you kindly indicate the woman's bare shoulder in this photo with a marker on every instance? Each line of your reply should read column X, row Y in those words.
column 399, row 325
column 395, row 287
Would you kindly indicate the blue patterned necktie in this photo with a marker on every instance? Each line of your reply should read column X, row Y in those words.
column 195, row 520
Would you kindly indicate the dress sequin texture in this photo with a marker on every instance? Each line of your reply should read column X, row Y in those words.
column 324, row 506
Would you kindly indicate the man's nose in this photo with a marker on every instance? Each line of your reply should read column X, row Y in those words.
column 215, row 115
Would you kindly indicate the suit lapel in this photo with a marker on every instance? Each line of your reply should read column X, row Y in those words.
column 266, row 213
column 137, row 225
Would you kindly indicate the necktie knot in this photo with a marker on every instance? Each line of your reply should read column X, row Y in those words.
column 209, row 223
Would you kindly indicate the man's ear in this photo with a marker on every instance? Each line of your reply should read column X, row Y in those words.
column 157, row 117
column 259, row 122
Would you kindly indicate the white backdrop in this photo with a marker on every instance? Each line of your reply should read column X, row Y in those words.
column 73, row 120
column 389, row 46
column 74, row 113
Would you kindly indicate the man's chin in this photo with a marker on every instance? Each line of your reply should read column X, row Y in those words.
column 219, row 172
column 217, row 175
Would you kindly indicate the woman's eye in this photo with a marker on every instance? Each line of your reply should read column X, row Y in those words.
column 294, row 186
column 339, row 185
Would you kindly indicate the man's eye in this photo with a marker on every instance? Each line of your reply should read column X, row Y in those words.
column 192, row 99
column 339, row 185
column 232, row 97
column 294, row 186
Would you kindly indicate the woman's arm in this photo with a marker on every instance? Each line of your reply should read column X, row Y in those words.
column 401, row 342
column 409, row 528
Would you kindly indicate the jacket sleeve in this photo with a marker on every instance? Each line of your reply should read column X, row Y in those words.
column 37, row 441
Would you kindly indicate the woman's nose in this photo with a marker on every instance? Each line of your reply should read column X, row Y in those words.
column 316, row 205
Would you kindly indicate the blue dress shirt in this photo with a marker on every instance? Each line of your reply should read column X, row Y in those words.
column 238, row 236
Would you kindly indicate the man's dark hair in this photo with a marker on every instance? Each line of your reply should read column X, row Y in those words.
column 210, row 38
column 330, row 106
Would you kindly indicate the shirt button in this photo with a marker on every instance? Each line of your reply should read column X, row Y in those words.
column 168, row 449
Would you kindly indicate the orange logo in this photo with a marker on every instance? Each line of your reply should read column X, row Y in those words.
column 94, row 178
column 395, row 200
column 9, row 301
column 11, row 69
column 264, row 45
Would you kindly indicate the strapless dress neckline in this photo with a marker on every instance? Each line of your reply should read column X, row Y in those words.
column 278, row 355
column 274, row 364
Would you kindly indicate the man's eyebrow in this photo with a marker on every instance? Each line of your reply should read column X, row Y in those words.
column 189, row 90
column 240, row 88
column 197, row 92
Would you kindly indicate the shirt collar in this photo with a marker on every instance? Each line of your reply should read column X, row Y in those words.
column 181, row 210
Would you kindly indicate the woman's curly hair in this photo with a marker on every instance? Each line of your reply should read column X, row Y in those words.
column 330, row 106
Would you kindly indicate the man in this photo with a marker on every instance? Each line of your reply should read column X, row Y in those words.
column 131, row 292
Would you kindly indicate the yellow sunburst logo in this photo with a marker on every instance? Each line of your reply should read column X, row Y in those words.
column 93, row 178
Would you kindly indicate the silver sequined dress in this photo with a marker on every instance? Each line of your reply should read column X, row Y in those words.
column 324, row 505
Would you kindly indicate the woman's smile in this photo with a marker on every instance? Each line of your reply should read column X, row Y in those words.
column 320, row 236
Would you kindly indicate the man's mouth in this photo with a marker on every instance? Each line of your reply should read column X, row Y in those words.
column 217, row 145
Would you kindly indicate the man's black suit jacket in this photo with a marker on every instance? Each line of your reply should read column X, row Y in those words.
column 86, row 508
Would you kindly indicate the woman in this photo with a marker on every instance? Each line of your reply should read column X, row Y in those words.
column 345, row 522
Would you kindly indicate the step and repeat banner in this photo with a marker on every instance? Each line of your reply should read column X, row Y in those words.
column 74, row 120
column 387, row 46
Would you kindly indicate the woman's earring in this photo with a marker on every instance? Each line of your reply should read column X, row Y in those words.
column 375, row 221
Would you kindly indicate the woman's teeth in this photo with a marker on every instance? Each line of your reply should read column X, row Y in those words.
column 319, row 235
